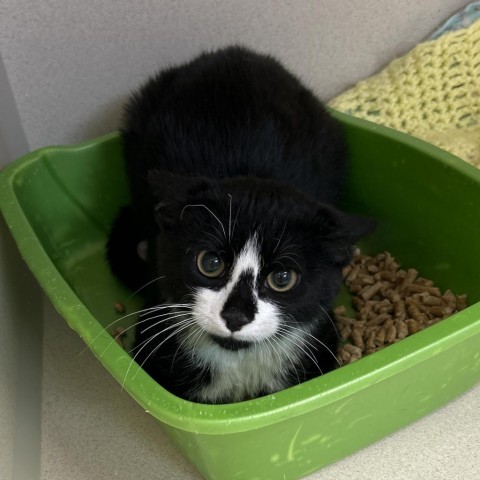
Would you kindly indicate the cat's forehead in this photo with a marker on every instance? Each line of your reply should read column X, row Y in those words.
column 239, row 228
column 250, row 250
column 245, row 200
column 226, row 217
column 248, row 211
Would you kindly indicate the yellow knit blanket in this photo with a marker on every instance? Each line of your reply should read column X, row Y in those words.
column 433, row 93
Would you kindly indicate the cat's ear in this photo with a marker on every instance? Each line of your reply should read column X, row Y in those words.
column 341, row 231
column 348, row 226
column 171, row 192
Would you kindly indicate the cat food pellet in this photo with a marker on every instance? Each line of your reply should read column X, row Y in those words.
column 345, row 333
column 402, row 329
column 461, row 302
column 379, row 319
column 380, row 338
column 119, row 307
column 390, row 304
column 357, row 339
column 416, row 288
column 118, row 335
column 399, row 309
column 369, row 291
column 441, row 311
column 413, row 326
column 390, row 334
column 370, row 339
column 383, row 307
column 432, row 301
column 343, row 356
column 349, row 353
column 353, row 350
column 415, row 313
column 372, row 269
column 365, row 279
column 450, row 299
column 357, row 303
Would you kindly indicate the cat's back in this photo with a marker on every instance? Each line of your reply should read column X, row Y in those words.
column 235, row 112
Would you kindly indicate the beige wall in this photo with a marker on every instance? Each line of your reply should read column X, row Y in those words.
column 71, row 63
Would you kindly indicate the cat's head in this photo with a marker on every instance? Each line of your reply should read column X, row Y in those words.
column 252, row 258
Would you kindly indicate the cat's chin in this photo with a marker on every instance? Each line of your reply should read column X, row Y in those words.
column 229, row 343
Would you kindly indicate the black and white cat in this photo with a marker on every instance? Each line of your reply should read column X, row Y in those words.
column 234, row 169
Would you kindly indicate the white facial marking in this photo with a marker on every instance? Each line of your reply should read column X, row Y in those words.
column 264, row 324
column 247, row 260
column 209, row 303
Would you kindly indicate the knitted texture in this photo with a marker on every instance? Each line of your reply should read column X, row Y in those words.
column 433, row 93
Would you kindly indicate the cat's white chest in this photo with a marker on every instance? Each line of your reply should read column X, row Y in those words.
column 240, row 375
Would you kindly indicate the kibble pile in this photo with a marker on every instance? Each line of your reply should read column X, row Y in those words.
column 390, row 304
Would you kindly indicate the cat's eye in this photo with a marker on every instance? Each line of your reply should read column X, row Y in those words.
column 210, row 264
column 282, row 280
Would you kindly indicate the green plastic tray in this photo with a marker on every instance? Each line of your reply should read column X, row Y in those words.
column 60, row 201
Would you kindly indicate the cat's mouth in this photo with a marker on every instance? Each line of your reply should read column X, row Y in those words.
column 230, row 343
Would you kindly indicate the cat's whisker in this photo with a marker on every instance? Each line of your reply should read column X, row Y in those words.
column 329, row 351
column 331, row 321
column 176, row 332
column 189, row 296
column 206, row 208
column 193, row 332
column 288, row 257
column 306, row 350
column 120, row 334
column 177, row 315
column 192, row 361
column 166, row 306
column 110, row 325
column 235, row 221
column 297, row 335
column 286, row 248
column 219, row 233
column 145, row 286
column 230, row 220
column 314, row 338
column 268, row 339
column 192, row 290
column 287, row 355
column 175, row 328
column 281, row 236
column 179, row 325
column 217, row 239
column 197, row 339
column 301, row 345
column 290, row 253
column 304, row 372
column 176, row 324
column 123, row 333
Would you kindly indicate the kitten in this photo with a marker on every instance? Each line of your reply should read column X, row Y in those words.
column 234, row 169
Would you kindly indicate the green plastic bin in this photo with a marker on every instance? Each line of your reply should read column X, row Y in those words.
column 59, row 203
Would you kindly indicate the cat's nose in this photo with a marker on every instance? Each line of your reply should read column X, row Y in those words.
column 235, row 319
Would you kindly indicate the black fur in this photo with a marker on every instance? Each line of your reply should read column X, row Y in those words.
column 233, row 141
